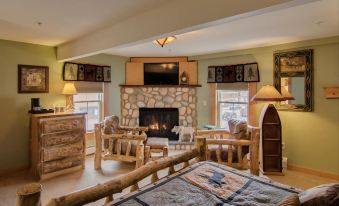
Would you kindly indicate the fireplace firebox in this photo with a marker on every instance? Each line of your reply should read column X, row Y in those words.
column 159, row 121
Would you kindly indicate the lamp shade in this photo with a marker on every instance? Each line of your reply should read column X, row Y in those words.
column 69, row 89
column 268, row 93
column 164, row 41
column 285, row 94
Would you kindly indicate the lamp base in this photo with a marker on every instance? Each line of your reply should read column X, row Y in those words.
column 69, row 103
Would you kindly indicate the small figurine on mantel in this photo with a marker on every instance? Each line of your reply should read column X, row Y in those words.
column 184, row 79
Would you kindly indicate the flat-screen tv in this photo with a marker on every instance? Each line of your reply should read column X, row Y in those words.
column 161, row 73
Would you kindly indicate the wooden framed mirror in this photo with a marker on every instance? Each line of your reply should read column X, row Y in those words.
column 293, row 78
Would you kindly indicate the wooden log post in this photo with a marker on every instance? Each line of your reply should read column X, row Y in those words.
column 254, row 151
column 29, row 195
column 98, row 147
column 200, row 145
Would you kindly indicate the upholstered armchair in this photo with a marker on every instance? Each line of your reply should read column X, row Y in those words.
column 232, row 147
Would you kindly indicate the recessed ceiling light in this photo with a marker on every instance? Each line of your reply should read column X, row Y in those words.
column 39, row 23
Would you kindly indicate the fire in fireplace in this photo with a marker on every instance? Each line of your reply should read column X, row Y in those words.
column 159, row 121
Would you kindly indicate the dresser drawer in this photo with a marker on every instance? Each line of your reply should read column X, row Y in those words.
column 68, row 137
column 56, row 165
column 62, row 151
column 54, row 125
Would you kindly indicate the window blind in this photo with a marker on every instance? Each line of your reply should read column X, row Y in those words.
column 89, row 87
column 232, row 86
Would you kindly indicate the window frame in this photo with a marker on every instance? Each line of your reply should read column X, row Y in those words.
column 101, row 107
column 218, row 91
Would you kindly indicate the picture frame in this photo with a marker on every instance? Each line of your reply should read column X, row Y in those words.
column 90, row 72
column 107, row 74
column 239, row 73
column 99, row 77
column 211, row 75
column 70, row 72
column 251, row 72
column 219, row 74
column 229, row 74
column 81, row 72
column 33, row 79
column 294, row 69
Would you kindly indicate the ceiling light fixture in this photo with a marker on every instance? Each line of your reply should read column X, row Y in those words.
column 161, row 42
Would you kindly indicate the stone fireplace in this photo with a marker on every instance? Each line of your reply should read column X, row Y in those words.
column 182, row 98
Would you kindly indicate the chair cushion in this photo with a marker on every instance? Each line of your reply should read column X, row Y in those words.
column 157, row 142
column 290, row 200
column 238, row 129
column 327, row 194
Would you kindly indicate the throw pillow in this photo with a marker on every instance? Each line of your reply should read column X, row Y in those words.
column 322, row 195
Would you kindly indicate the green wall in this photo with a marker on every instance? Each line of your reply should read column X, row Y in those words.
column 312, row 138
column 14, row 127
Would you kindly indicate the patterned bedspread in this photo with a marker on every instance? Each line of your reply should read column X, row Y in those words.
column 208, row 183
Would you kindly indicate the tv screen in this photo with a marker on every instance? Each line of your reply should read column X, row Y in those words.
column 161, row 73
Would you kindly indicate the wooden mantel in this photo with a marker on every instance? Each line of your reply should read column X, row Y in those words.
column 160, row 85
column 134, row 72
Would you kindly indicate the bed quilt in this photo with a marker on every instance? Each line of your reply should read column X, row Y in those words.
column 208, row 183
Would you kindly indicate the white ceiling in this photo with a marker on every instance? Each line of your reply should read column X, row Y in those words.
column 308, row 21
column 64, row 20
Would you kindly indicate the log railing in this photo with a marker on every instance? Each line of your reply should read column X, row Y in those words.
column 116, row 185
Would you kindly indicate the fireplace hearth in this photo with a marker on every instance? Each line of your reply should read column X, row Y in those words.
column 159, row 121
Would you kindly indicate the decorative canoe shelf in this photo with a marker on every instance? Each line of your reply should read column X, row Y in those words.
column 332, row 92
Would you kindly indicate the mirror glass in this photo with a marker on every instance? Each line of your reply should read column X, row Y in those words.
column 293, row 79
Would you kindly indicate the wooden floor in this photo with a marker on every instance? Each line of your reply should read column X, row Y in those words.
column 67, row 183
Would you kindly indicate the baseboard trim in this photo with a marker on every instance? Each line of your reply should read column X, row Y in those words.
column 313, row 172
column 13, row 170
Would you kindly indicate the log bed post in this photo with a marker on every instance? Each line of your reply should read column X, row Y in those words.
column 29, row 195
column 200, row 145
column 98, row 147
column 254, row 158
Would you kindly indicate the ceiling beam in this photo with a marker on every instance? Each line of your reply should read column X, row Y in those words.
column 174, row 17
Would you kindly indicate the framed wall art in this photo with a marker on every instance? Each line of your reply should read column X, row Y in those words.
column 81, row 72
column 90, row 73
column 107, row 74
column 33, row 79
column 239, row 73
column 211, row 75
column 219, row 72
column 86, row 72
column 251, row 73
column 229, row 74
column 70, row 72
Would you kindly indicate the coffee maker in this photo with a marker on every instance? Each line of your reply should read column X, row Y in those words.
column 36, row 107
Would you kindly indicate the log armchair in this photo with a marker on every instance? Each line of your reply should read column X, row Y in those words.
column 120, row 143
column 224, row 149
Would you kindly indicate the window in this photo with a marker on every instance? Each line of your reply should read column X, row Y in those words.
column 232, row 104
column 92, row 104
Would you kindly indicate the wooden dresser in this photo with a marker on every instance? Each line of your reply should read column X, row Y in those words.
column 57, row 143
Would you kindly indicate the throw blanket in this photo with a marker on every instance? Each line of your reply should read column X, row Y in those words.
column 208, row 183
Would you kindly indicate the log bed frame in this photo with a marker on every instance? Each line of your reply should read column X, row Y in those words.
column 29, row 195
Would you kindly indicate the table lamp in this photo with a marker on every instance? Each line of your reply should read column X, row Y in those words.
column 69, row 90
column 270, row 131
